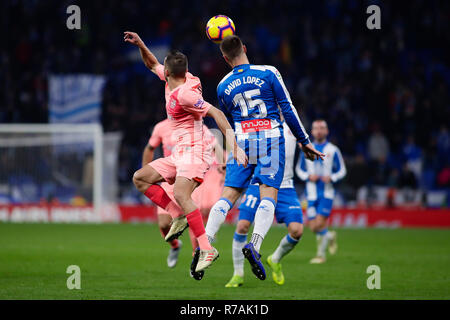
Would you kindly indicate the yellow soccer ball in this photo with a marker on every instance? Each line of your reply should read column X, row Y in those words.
column 219, row 27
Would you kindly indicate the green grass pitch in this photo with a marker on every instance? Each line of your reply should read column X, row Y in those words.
column 128, row 261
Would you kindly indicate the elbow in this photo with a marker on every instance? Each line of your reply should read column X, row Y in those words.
column 216, row 114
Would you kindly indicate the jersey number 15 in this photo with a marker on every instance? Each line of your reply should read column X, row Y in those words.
column 246, row 102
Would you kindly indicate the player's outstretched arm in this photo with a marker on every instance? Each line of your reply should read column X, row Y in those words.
column 148, row 57
column 224, row 126
column 291, row 117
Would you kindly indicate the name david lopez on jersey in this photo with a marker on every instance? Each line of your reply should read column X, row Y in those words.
column 245, row 80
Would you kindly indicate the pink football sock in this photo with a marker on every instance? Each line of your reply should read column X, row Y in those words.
column 196, row 224
column 159, row 197
column 194, row 241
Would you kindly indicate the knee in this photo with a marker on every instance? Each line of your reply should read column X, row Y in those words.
column 314, row 227
column 295, row 230
column 137, row 179
column 296, row 233
column 139, row 182
column 231, row 193
column 242, row 228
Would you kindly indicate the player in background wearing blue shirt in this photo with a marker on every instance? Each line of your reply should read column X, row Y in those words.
column 288, row 210
column 320, row 177
column 251, row 96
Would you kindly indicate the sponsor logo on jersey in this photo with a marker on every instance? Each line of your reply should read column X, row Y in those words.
column 199, row 104
column 255, row 125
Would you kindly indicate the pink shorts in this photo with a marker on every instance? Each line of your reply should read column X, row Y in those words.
column 204, row 196
column 188, row 165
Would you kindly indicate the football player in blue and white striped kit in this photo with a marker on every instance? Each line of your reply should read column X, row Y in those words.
column 320, row 177
column 251, row 96
column 288, row 211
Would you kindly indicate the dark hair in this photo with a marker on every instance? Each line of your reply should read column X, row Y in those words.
column 177, row 64
column 321, row 120
column 231, row 46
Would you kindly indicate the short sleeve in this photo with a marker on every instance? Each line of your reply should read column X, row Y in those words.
column 160, row 72
column 156, row 138
column 193, row 102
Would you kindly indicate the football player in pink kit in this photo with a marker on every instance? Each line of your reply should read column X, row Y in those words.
column 190, row 158
column 204, row 196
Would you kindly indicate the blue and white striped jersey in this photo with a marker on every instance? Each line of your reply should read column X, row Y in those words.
column 291, row 147
column 251, row 97
column 333, row 165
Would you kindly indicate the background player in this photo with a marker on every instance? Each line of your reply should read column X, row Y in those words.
column 191, row 158
column 320, row 177
column 162, row 135
column 204, row 196
column 287, row 210
column 251, row 97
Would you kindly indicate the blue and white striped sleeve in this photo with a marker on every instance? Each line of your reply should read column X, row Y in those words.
column 287, row 108
column 300, row 168
column 339, row 171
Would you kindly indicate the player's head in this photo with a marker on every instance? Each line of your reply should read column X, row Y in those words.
column 175, row 65
column 319, row 130
column 233, row 49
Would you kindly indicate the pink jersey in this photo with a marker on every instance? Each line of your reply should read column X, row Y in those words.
column 185, row 109
column 163, row 134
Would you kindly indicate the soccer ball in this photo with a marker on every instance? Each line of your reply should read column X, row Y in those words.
column 219, row 27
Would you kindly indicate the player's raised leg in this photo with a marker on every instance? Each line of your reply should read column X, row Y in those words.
column 146, row 179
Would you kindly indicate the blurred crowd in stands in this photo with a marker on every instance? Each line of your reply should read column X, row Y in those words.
column 384, row 93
